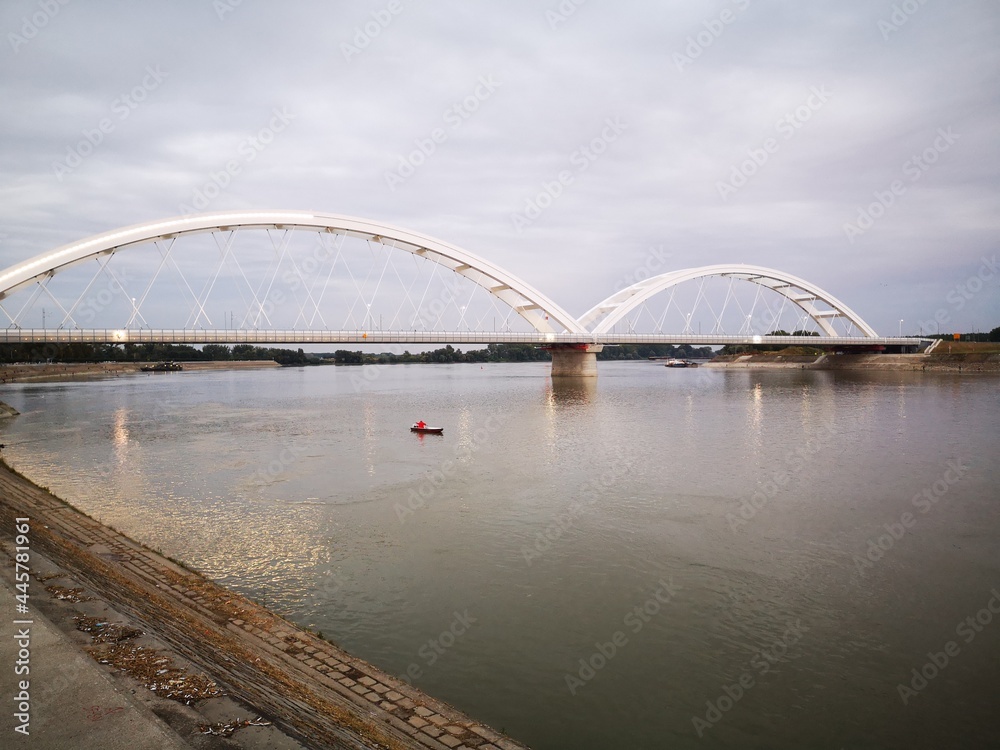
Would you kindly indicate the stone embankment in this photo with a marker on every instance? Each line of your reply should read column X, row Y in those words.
column 309, row 688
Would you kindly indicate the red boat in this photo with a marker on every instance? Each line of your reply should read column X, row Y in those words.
column 427, row 430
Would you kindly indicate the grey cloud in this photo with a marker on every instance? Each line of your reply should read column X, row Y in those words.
column 656, row 185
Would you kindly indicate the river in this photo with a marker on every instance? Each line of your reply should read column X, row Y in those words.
column 671, row 558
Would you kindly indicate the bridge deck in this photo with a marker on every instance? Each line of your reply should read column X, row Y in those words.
column 267, row 336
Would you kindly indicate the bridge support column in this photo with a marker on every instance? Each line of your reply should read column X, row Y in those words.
column 574, row 360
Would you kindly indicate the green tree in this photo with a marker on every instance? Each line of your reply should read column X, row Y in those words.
column 217, row 352
column 344, row 357
column 287, row 357
column 244, row 352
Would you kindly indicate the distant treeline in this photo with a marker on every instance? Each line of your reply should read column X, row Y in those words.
column 645, row 351
column 980, row 336
column 510, row 353
column 492, row 353
column 10, row 353
column 746, row 348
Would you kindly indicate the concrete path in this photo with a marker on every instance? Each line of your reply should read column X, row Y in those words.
column 73, row 703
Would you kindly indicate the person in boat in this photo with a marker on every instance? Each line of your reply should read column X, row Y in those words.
column 420, row 425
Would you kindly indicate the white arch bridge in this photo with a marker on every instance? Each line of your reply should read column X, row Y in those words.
column 296, row 277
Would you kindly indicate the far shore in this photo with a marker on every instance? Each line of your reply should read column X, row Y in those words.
column 988, row 362
column 58, row 372
column 980, row 359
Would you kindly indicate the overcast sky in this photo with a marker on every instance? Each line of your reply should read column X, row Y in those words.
column 735, row 131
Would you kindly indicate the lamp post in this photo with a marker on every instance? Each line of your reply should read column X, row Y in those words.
column 901, row 328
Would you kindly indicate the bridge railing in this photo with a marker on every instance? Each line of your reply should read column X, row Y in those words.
column 419, row 338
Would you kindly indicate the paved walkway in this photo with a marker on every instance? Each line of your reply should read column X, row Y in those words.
column 73, row 702
column 316, row 692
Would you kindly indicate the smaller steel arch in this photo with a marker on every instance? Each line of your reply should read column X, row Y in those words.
column 799, row 291
column 537, row 309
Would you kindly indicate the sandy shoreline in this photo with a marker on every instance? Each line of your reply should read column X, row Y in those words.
column 309, row 688
column 967, row 362
column 54, row 373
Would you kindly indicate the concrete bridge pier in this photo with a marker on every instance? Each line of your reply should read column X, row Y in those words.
column 574, row 360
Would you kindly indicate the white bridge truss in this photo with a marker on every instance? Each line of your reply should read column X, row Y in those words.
column 310, row 278
column 819, row 306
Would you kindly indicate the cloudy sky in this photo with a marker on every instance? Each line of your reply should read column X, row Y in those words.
column 852, row 143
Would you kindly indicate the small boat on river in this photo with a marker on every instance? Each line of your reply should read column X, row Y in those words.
column 163, row 367
column 679, row 363
column 424, row 429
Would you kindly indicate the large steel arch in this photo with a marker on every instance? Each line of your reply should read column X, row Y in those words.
column 802, row 293
column 528, row 302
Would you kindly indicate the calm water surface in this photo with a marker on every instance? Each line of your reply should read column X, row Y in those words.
column 663, row 558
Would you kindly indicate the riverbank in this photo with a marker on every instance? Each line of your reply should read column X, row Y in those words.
column 310, row 689
column 934, row 362
column 54, row 373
